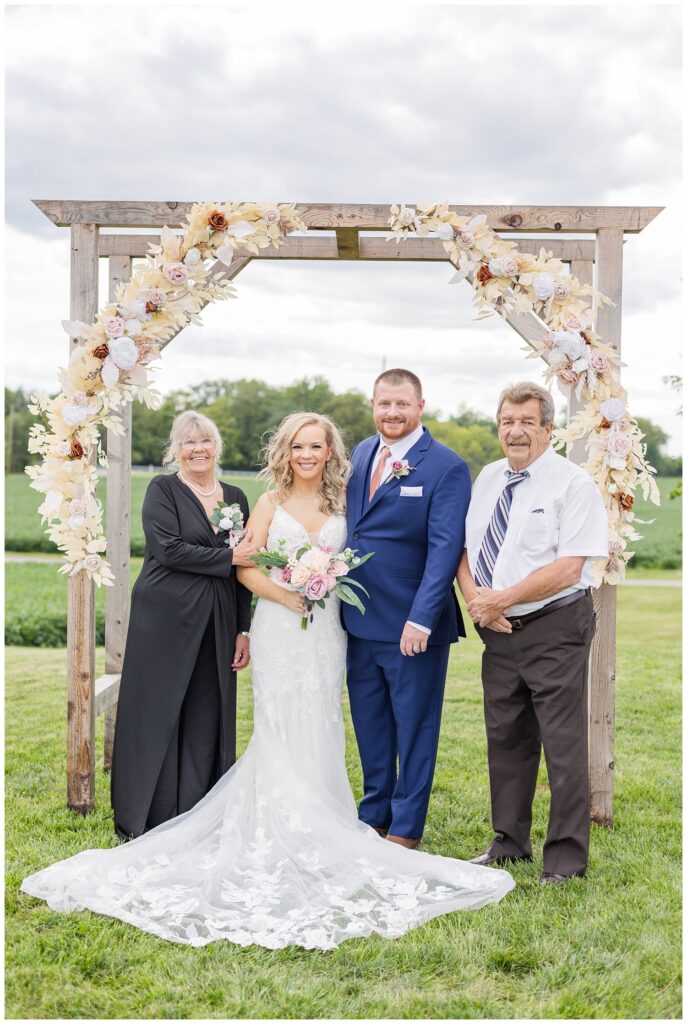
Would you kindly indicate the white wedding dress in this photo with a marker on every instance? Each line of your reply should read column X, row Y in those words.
column 275, row 855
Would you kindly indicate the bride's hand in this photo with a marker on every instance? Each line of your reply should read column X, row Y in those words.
column 293, row 601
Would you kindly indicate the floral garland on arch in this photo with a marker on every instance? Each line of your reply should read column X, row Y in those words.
column 111, row 364
column 505, row 280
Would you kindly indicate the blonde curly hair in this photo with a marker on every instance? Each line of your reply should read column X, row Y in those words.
column 277, row 460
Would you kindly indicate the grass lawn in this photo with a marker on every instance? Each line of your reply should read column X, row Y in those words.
column 23, row 530
column 607, row 946
column 661, row 544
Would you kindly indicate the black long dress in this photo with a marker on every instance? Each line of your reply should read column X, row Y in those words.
column 175, row 733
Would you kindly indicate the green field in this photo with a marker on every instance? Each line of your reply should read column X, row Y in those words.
column 661, row 545
column 23, row 530
column 607, row 946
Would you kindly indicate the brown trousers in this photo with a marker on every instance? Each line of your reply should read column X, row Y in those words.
column 535, row 694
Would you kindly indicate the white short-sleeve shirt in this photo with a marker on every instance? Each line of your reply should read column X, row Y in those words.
column 557, row 512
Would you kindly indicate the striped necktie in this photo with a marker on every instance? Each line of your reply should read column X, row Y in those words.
column 496, row 531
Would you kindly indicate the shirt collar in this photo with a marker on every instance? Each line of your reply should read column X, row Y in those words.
column 536, row 467
column 403, row 445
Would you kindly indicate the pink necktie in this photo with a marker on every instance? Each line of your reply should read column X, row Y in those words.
column 379, row 472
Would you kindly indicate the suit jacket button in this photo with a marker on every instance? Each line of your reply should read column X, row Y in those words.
column 355, row 536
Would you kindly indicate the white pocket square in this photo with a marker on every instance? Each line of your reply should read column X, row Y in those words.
column 411, row 492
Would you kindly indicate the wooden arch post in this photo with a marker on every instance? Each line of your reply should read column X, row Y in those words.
column 532, row 226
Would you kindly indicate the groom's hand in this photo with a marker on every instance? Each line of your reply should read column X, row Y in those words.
column 241, row 653
column 413, row 641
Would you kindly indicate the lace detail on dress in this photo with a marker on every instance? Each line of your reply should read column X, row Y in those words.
column 275, row 855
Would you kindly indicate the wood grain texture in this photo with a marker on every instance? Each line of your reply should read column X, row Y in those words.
column 106, row 693
column 118, row 519
column 323, row 247
column 80, row 590
column 609, row 280
column 122, row 213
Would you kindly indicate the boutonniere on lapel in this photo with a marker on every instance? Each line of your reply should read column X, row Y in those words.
column 228, row 519
column 399, row 468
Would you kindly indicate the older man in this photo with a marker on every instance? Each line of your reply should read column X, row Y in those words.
column 535, row 523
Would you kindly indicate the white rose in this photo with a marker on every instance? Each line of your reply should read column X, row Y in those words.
column 79, row 398
column 613, row 409
column 136, row 311
column 92, row 562
column 407, row 216
column 445, row 231
column 192, row 257
column 176, row 273
column 77, row 507
column 561, row 289
column 123, row 353
column 272, row 216
column 73, row 415
column 74, row 522
column 226, row 524
column 572, row 344
column 556, row 357
column 543, row 286
column 63, row 448
column 465, row 239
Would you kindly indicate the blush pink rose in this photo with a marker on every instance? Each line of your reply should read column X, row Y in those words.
column 330, row 580
column 299, row 576
column 568, row 377
column 599, row 362
column 316, row 588
column 396, row 465
column 573, row 323
column 114, row 326
column 339, row 568
column 619, row 445
column 176, row 273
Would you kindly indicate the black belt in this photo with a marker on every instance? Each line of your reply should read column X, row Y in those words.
column 522, row 620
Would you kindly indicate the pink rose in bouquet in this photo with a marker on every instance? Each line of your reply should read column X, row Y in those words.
column 316, row 588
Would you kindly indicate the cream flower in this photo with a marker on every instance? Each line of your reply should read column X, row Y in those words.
column 92, row 563
column 193, row 257
column 599, row 362
column 272, row 216
column 407, row 216
column 74, row 414
column 503, row 266
column 445, row 231
column 465, row 239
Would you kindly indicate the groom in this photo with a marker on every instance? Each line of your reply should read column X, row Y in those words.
column 407, row 501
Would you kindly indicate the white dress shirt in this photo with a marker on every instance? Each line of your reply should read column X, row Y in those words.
column 399, row 449
column 556, row 513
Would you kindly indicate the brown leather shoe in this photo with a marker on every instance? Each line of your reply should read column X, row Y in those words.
column 409, row 844
column 380, row 831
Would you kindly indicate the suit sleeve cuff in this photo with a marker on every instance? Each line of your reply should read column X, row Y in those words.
column 423, row 629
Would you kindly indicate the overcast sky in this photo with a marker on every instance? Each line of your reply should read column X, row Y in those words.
column 543, row 105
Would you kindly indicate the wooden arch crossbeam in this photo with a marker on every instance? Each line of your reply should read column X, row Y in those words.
column 350, row 235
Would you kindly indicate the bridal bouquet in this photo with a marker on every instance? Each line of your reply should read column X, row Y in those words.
column 316, row 573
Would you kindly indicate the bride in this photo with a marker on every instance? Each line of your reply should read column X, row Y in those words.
column 275, row 855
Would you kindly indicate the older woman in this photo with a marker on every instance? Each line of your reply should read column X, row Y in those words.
column 176, row 720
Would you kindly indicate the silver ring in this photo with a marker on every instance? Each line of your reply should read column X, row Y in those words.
column 416, row 648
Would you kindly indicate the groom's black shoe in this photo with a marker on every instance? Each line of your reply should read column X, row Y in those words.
column 487, row 859
column 552, row 878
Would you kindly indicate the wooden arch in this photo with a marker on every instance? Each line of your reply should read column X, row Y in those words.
column 596, row 259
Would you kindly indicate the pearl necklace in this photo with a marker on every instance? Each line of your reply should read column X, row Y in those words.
column 203, row 494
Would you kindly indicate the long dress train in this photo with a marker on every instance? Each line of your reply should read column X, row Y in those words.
column 275, row 855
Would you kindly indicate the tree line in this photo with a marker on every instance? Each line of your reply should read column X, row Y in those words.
column 245, row 412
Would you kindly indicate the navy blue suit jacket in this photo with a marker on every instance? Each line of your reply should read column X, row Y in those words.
column 417, row 542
